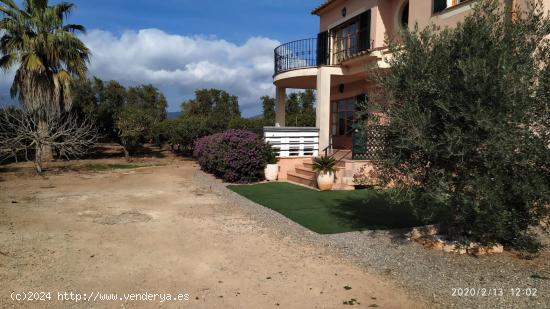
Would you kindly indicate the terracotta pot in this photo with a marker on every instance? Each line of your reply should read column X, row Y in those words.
column 325, row 181
column 271, row 172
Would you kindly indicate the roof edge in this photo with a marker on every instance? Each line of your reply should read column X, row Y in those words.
column 324, row 5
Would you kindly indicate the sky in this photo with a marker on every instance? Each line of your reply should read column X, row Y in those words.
column 181, row 45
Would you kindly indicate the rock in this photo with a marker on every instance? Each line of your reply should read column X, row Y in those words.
column 449, row 248
column 435, row 244
column 423, row 231
column 495, row 249
column 477, row 250
column 415, row 234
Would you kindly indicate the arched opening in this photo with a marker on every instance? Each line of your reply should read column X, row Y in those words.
column 404, row 16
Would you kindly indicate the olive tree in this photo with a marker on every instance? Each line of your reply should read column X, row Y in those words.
column 469, row 123
column 21, row 131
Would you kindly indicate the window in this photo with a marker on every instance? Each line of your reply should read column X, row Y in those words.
column 342, row 117
column 440, row 5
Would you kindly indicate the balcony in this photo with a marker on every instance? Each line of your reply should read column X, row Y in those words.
column 300, row 54
column 325, row 50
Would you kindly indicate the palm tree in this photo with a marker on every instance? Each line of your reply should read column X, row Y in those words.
column 47, row 54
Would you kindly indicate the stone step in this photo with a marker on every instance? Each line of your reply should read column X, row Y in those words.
column 301, row 179
column 306, row 171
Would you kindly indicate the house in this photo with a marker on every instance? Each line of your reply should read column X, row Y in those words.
column 337, row 64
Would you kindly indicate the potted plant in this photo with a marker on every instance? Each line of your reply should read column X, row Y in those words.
column 272, row 169
column 324, row 167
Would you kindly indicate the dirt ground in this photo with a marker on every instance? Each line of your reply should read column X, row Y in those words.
column 154, row 230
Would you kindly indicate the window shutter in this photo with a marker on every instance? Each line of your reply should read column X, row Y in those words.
column 439, row 5
column 322, row 48
column 364, row 31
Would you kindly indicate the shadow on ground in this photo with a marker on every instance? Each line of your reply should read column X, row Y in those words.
column 113, row 151
column 374, row 211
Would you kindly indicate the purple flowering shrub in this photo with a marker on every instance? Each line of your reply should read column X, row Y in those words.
column 234, row 155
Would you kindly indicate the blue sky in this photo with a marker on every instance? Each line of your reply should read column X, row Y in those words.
column 181, row 45
column 235, row 20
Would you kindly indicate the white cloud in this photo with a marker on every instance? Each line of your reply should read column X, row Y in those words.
column 181, row 64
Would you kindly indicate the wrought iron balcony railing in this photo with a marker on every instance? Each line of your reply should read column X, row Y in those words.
column 294, row 55
column 308, row 53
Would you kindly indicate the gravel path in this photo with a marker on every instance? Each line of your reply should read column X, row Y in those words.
column 425, row 274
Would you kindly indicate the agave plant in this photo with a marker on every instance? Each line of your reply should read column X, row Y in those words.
column 324, row 164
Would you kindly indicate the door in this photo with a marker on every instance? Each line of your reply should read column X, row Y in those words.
column 342, row 123
column 346, row 41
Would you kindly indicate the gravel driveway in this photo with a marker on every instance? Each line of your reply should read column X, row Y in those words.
column 159, row 231
column 424, row 274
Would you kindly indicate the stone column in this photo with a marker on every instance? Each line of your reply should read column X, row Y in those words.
column 280, row 109
column 322, row 120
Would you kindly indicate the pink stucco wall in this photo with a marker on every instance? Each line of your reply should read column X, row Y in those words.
column 333, row 16
column 385, row 15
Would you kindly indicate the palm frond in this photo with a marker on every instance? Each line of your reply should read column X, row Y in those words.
column 7, row 62
column 63, row 9
column 8, row 11
column 28, row 5
column 33, row 63
column 14, row 89
column 10, row 8
column 40, row 4
column 10, row 4
column 74, row 28
column 64, row 80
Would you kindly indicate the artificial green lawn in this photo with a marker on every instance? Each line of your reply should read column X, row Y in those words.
column 331, row 212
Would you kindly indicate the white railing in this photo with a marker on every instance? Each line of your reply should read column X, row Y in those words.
column 293, row 141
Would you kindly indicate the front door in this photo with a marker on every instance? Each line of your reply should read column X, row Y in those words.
column 342, row 123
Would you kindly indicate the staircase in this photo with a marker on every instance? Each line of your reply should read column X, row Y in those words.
column 303, row 174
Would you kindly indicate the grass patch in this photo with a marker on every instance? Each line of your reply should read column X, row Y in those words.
column 96, row 167
column 331, row 212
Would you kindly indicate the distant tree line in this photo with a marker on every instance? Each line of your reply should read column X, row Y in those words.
column 127, row 116
column 214, row 111
column 135, row 115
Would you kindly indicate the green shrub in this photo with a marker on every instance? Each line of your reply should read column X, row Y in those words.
column 468, row 116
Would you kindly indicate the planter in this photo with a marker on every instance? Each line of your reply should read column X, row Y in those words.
column 271, row 172
column 325, row 181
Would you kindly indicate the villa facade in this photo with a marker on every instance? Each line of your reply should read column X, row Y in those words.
column 338, row 64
